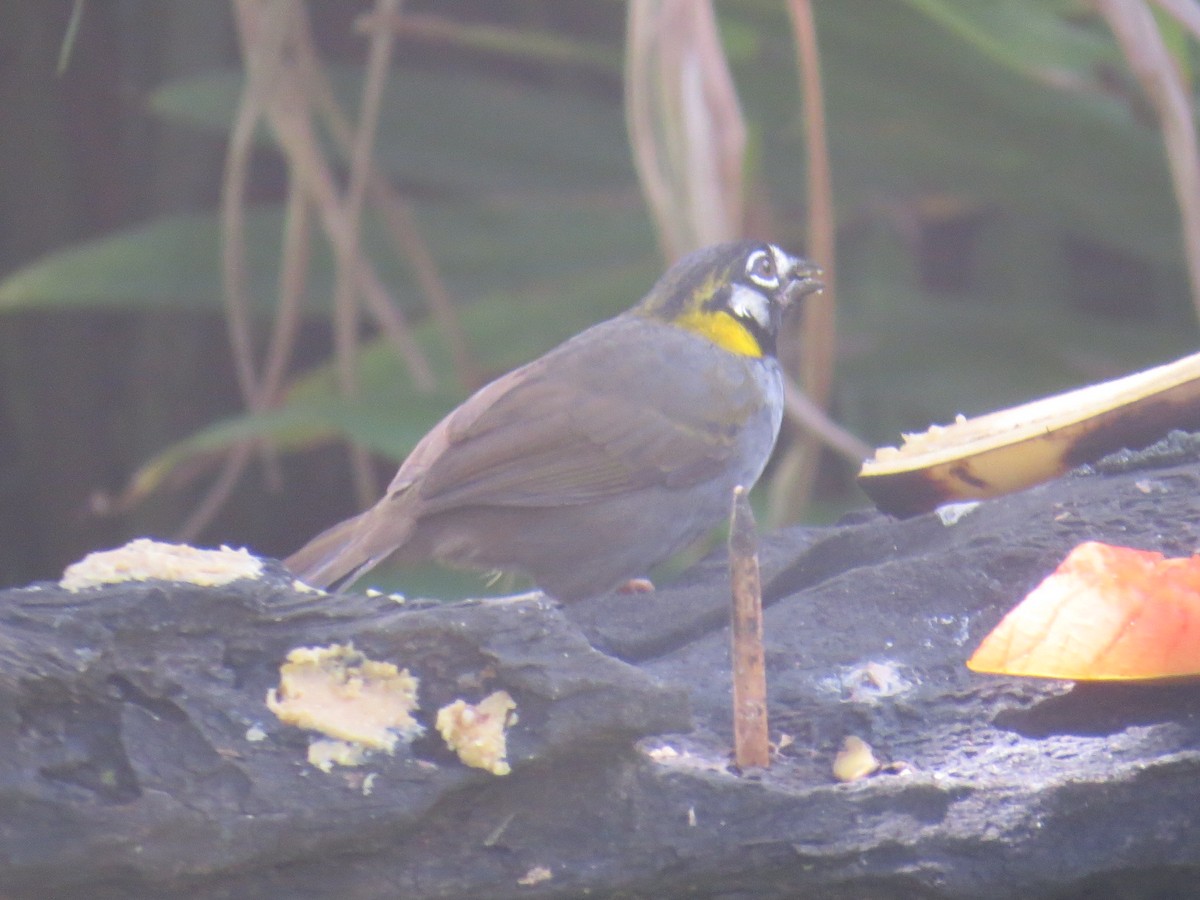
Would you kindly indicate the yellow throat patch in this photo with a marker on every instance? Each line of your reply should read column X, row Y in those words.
column 723, row 329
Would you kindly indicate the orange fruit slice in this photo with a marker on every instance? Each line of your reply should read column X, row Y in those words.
column 1106, row 613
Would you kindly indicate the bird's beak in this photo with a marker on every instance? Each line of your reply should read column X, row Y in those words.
column 803, row 279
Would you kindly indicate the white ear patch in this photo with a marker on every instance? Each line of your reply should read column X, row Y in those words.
column 746, row 302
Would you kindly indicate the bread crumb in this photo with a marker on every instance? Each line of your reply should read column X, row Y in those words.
column 326, row 753
column 536, row 875
column 856, row 760
column 148, row 560
column 476, row 731
column 342, row 694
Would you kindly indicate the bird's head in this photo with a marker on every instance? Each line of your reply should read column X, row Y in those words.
column 733, row 294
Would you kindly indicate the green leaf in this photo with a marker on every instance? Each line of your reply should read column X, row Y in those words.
column 171, row 263
column 462, row 131
column 1032, row 37
column 916, row 111
column 381, row 429
column 174, row 262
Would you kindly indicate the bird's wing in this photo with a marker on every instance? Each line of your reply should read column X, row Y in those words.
column 626, row 405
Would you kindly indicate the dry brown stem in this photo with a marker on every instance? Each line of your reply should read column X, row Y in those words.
column 750, row 742
column 283, row 75
column 1146, row 52
column 685, row 123
column 818, row 340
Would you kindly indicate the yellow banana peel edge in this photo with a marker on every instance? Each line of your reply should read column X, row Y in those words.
column 1012, row 449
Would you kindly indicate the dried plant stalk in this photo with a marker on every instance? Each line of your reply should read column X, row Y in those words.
column 1146, row 52
column 751, row 747
column 801, row 408
column 398, row 215
column 348, row 254
column 818, row 339
column 283, row 75
column 685, row 123
column 262, row 59
column 293, row 275
column 820, row 329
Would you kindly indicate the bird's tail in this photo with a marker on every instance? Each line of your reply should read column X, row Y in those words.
column 338, row 555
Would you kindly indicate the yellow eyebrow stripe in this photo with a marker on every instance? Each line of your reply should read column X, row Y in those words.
column 723, row 329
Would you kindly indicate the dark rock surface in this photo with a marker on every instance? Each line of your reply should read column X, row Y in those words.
column 127, row 770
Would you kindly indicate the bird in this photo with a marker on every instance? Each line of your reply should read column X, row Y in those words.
column 605, row 456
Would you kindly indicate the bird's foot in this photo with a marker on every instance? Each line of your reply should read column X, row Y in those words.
column 637, row 586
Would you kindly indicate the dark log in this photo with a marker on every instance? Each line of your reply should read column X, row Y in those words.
column 128, row 766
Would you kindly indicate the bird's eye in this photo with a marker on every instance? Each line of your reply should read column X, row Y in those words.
column 761, row 269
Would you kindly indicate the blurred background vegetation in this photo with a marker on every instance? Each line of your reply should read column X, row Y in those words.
column 237, row 239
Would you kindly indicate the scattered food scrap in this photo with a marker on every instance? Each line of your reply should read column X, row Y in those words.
column 856, row 760
column 536, row 875
column 684, row 758
column 664, row 753
column 476, row 732
column 874, row 680
column 147, row 560
column 326, row 753
column 950, row 514
column 1106, row 613
column 362, row 703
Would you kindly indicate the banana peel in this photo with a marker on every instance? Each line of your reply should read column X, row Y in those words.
column 1012, row 449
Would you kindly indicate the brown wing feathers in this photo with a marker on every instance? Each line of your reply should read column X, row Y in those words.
column 556, row 432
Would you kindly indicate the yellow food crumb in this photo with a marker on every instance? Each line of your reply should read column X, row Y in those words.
column 337, row 691
column 536, row 875
column 148, row 560
column 476, row 731
column 855, row 760
column 327, row 753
